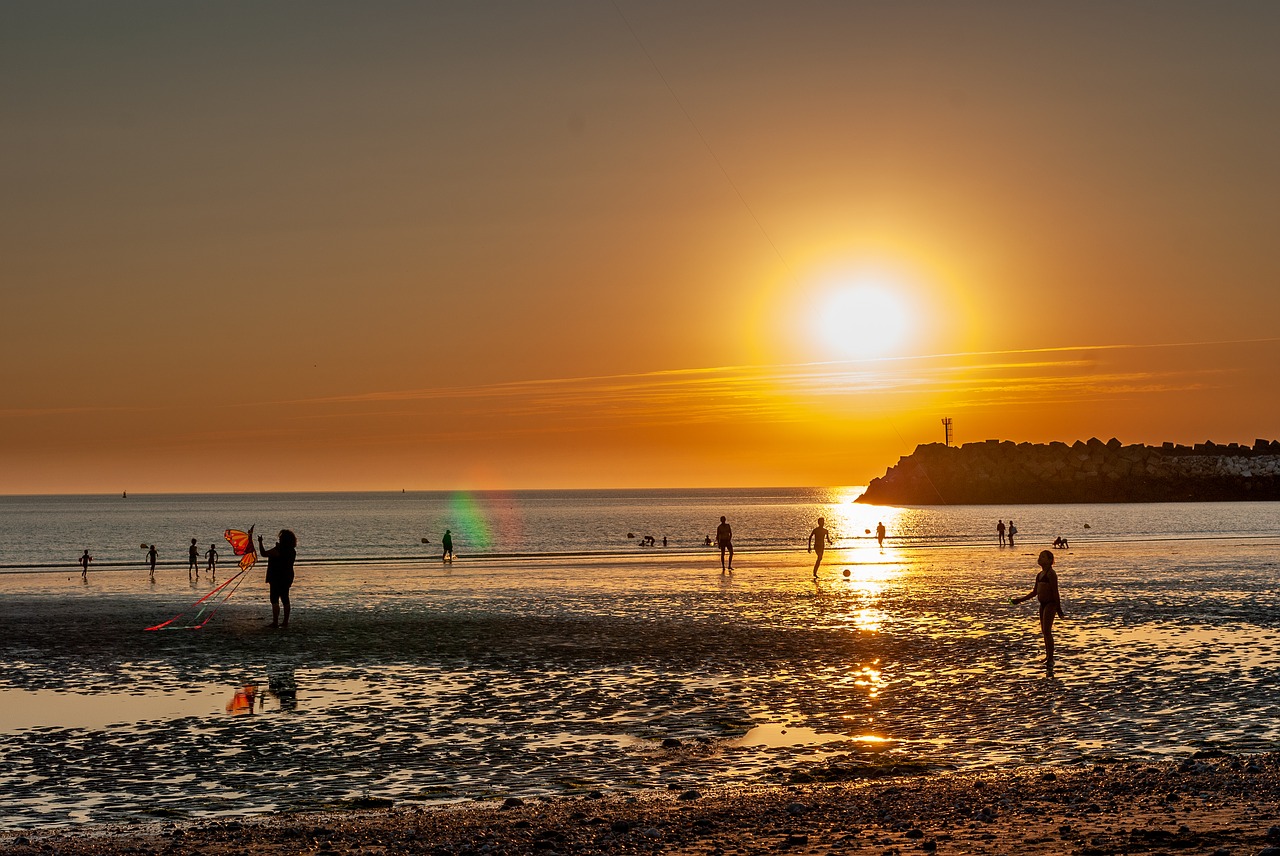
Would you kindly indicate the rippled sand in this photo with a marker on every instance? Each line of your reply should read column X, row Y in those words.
column 430, row 683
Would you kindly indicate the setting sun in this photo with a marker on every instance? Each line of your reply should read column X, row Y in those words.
column 863, row 320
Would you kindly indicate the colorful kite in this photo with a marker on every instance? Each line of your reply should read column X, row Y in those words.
column 205, row 607
column 242, row 543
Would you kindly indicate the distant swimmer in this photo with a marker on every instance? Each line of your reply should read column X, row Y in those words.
column 1060, row 543
column 880, row 534
column 84, row 565
column 211, row 562
column 707, row 542
column 724, row 540
column 151, row 560
column 1046, row 592
column 818, row 540
column 1000, row 531
column 447, row 543
column 193, row 559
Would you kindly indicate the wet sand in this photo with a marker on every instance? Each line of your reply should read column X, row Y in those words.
column 1214, row 804
column 645, row 679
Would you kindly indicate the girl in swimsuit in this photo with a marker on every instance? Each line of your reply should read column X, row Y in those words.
column 1046, row 591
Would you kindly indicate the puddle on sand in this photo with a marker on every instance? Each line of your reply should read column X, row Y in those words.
column 28, row 710
column 773, row 735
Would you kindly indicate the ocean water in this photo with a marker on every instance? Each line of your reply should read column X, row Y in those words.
column 556, row 657
column 52, row 531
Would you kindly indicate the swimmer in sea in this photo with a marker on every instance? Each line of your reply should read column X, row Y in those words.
column 1046, row 591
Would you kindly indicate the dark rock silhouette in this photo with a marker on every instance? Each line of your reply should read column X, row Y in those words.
column 1005, row 472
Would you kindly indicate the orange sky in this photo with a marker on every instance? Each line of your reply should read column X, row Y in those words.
column 324, row 246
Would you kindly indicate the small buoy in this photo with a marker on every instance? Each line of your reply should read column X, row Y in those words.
column 846, row 572
column 868, row 531
column 630, row 535
column 142, row 546
column 425, row 541
column 1087, row 526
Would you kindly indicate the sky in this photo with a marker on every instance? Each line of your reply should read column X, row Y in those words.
column 503, row 245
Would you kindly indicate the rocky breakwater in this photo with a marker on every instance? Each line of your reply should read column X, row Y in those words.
column 1005, row 472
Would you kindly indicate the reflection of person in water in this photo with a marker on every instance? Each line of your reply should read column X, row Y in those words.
column 280, row 559
column 282, row 684
column 1046, row 592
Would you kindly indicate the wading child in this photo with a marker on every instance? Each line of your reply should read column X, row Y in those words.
column 1046, row 591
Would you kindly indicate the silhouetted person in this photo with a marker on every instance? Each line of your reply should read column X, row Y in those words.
column 84, row 565
column 1000, row 531
column 193, row 559
column 280, row 559
column 817, row 537
column 724, row 540
column 707, row 542
column 211, row 562
column 880, row 534
column 1060, row 542
column 1013, row 530
column 447, row 543
column 664, row 540
column 1046, row 591
column 151, row 560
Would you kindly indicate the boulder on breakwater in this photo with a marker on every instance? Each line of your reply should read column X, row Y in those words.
column 999, row 471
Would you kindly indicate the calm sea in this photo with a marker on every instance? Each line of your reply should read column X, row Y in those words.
column 52, row 531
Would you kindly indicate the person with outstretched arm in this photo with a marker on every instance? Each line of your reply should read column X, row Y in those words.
column 280, row 559
column 1046, row 592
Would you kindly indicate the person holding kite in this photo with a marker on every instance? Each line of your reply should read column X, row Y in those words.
column 280, row 560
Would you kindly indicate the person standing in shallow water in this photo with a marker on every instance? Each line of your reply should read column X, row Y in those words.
column 151, row 560
column 724, row 540
column 880, row 533
column 1000, row 530
column 84, row 565
column 1046, row 592
column 193, row 560
column 280, row 559
column 816, row 543
column 447, row 544
column 212, row 558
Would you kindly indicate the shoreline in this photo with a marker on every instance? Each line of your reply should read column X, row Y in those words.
column 1210, row 802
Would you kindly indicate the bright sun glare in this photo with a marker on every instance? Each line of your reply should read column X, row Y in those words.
column 863, row 320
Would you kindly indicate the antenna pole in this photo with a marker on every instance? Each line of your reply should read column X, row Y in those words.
column 946, row 431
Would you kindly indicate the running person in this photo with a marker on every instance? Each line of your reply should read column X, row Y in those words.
column 84, row 565
column 193, row 560
column 816, row 543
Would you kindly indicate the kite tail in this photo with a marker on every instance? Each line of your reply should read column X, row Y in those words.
column 217, row 589
column 218, row 606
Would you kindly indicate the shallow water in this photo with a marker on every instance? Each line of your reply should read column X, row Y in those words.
column 424, row 682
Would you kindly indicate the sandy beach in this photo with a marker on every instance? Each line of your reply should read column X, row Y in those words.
column 1216, row 805
column 617, row 705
